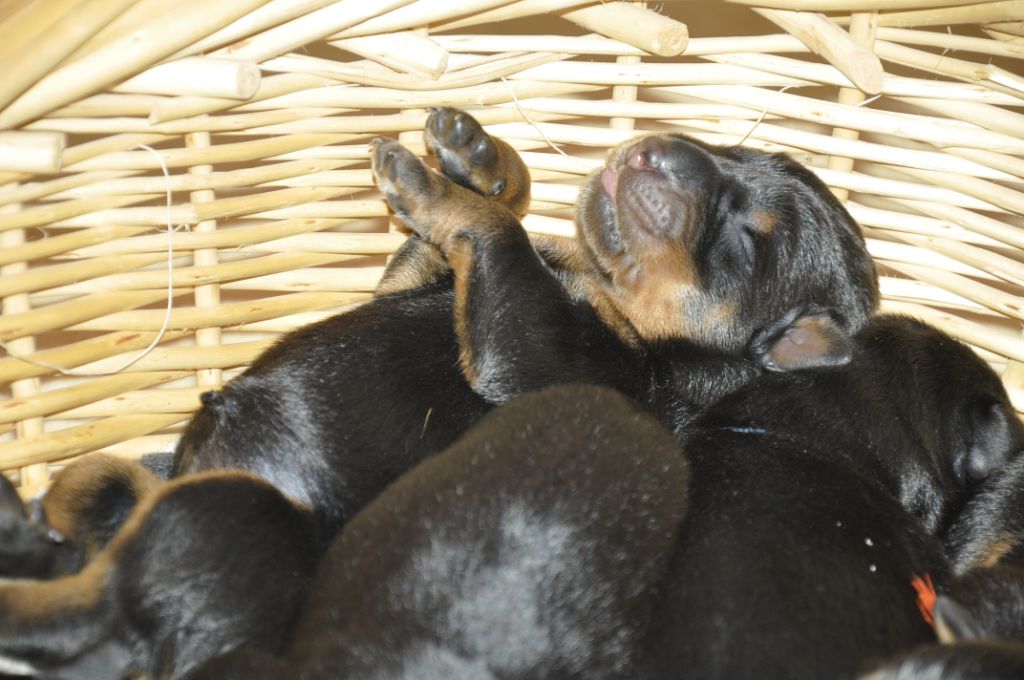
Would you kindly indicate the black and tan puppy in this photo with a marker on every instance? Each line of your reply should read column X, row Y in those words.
column 810, row 548
column 201, row 565
column 529, row 549
column 684, row 249
column 84, row 506
column 980, row 620
column 981, row 613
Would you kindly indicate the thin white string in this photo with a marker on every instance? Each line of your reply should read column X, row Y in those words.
column 170, row 294
column 519, row 108
column 764, row 113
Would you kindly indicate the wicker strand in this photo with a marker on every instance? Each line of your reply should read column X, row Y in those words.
column 167, row 313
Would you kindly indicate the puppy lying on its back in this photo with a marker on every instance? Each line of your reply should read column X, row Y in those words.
column 529, row 549
column 815, row 501
column 683, row 250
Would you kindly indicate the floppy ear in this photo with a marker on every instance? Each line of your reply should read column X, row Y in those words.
column 996, row 436
column 805, row 337
column 954, row 623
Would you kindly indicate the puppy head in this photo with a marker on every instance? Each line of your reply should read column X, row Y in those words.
column 950, row 399
column 29, row 546
column 710, row 243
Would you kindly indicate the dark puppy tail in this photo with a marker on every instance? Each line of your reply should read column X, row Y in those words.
column 203, row 430
column 213, row 399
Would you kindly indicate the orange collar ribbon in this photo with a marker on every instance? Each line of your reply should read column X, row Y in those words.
column 926, row 597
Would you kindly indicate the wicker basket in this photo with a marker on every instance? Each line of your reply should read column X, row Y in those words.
column 243, row 125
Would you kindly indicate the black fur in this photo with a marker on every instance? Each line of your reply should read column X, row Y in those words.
column 203, row 565
column 981, row 619
column 29, row 546
column 980, row 660
column 529, row 549
column 816, row 498
column 990, row 530
column 337, row 410
column 987, row 603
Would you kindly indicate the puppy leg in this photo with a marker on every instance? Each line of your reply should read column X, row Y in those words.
column 517, row 326
column 46, row 624
column 416, row 264
column 473, row 159
column 90, row 499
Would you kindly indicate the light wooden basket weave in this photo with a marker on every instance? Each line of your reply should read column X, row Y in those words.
column 255, row 116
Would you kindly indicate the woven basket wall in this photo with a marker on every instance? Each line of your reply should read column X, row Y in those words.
column 260, row 113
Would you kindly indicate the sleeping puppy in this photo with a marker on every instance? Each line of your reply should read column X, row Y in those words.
column 981, row 613
column 981, row 621
column 202, row 565
column 84, row 506
column 810, row 549
column 683, row 250
column 528, row 549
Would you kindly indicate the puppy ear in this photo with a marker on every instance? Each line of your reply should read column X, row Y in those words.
column 805, row 337
column 954, row 623
column 996, row 436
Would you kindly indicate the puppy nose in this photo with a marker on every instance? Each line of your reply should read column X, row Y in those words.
column 648, row 154
column 671, row 156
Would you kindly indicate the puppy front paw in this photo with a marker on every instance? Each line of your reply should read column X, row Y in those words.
column 408, row 185
column 472, row 158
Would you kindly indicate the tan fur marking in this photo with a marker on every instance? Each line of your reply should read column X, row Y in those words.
column 463, row 212
column 763, row 222
column 516, row 195
column 25, row 602
column 563, row 252
column 426, row 266
column 75, row 487
column 608, row 312
column 651, row 293
column 461, row 259
column 998, row 549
